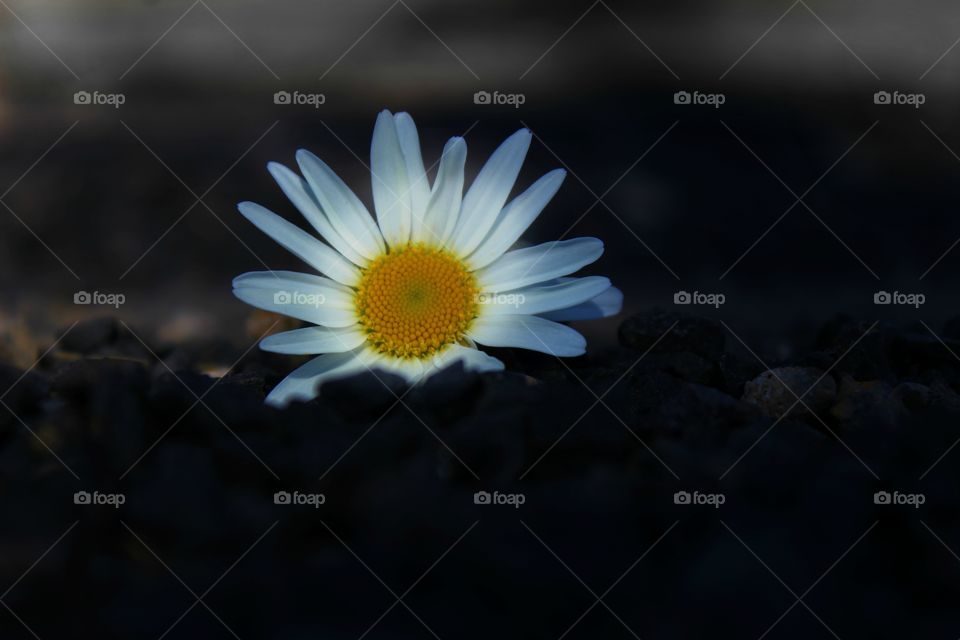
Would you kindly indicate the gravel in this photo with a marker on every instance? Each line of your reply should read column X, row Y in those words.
column 673, row 479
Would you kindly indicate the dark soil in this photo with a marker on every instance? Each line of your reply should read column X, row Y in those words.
column 596, row 447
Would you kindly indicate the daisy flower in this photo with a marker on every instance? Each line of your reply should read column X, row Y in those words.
column 431, row 278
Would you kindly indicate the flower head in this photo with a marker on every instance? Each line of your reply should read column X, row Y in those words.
column 432, row 277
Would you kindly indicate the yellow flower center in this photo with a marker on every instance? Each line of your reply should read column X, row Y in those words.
column 414, row 301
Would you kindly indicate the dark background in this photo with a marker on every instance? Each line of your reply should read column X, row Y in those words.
column 105, row 199
column 597, row 100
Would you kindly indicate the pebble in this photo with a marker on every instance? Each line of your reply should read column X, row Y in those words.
column 777, row 391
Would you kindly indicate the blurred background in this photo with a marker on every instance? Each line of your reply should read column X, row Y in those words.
column 103, row 197
column 796, row 157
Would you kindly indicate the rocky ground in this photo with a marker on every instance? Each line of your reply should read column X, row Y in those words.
column 671, row 487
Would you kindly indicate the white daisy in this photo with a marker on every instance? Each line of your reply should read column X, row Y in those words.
column 433, row 277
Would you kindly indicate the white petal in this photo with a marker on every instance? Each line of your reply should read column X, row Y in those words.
column 416, row 371
column 444, row 205
column 472, row 359
column 335, row 294
column 313, row 340
column 489, row 192
column 545, row 297
column 516, row 218
column 303, row 382
column 300, row 243
column 609, row 303
column 528, row 332
column 341, row 205
column 411, row 370
column 391, row 187
column 325, row 316
column 298, row 192
column 419, row 184
column 298, row 295
column 546, row 261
